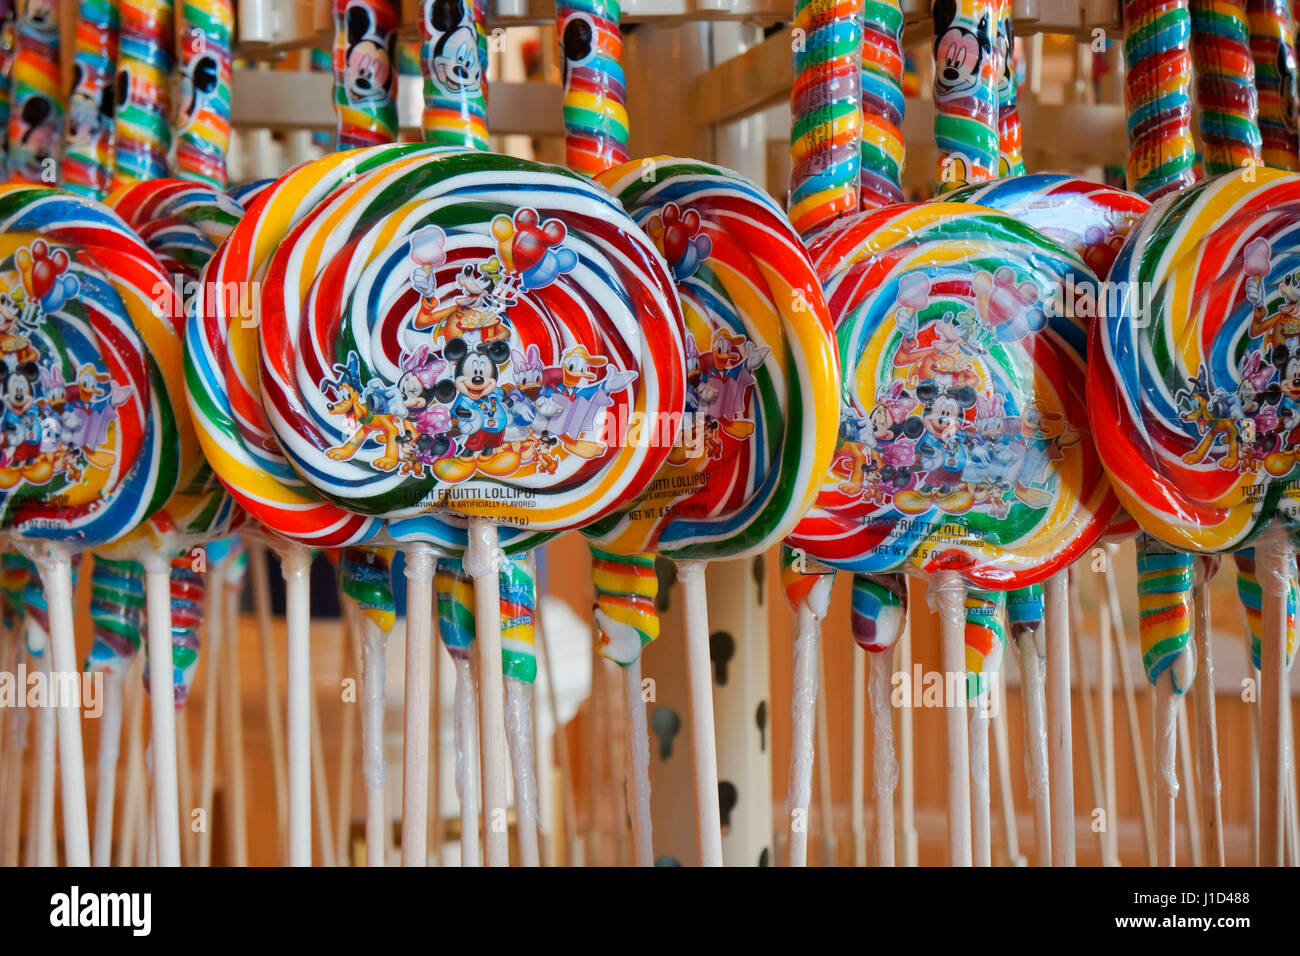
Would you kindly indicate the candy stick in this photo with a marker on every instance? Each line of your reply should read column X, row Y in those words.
column 1097, row 790
column 1207, row 733
column 1136, row 746
column 116, row 606
column 365, row 82
column 1106, row 719
column 88, row 152
column 1189, row 775
column 1273, row 556
column 985, row 641
column 365, row 582
column 144, row 66
column 1164, row 593
column 1274, row 70
column 880, row 178
column 626, row 588
column 1010, row 160
column 1157, row 91
column 1056, row 626
column 907, row 766
column 455, row 110
column 36, row 113
column 825, row 806
column 879, row 621
column 201, row 125
column 456, row 628
column 519, row 665
column 966, row 91
column 1221, row 55
column 1025, row 621
column 826, row 108
column 595, row 92
column 348, row 652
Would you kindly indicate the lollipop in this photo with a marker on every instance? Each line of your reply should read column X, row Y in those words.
column 117, row 610
column 365, row 84
column 879, row 607
column 88, row 137
column 826, row 108
column 986, row 641
column 1025, row 622
column 244, row 193
column 455, row 111
column 36, row 112
column 1271, row 43
column 455, row 590
column 143, row 97
column 1010, row 160
column 1157, row 95
column 187, row 590
column 879, row 180
column 966, row 91
column 202, row 121
column 1225, row 89
column 1252, row 601
column 626, row 587
column 182, row 222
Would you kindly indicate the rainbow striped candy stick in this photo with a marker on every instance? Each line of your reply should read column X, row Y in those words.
column 455, row 106
column 1273, row 48
column 117, row 611
column 35, row 609
column 1024, row 621
column 1157, row 96
column 879, row 604
column 144, row 66
column 1225, row 85
column 88, row 136
column 36, row 113
column 626, row 588
column 986, row 640
column 188, row 588
column 826, row 113
column 880, row 178
column 366, row 582
column 1251, row 597
column 966, row 102
column 365, row 82
column 1025, row 613
column 455, row 594
column 595, row 92
column 1011, row 162
column 13, row 580
column 1165, row 614
column 6, row 76
column 202, row 119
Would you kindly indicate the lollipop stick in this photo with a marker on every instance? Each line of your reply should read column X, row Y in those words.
column 258, row 572
column 347, row 746
column 467, row 765
column 162, row 704
column 825, row 801
column 858, row 780
column 1034, row 706
column 295, row 565
column 519, row 724
column 415, row 759
column 948, row 599
column 435, row 754
column 1165, row 752
column 373, row 769
column 232, row 720
column 1254, row 760
column 56, row 575
column 483, row 564
column 110, row 741
column 884, row 765
column 1185, row 761
column 1136, row 745
column 1207, row 732
column 1097, row 792
column 1060, row 736
column 1272, row 559
column 133, row 791
column 804, row 691
column 1002, row 747
column 708, row 813
column 981, row 799
column 573, row 856
column 40, row 850
column 189, row 845
column 1106, row 707
column 207, row 759
column 638, row 766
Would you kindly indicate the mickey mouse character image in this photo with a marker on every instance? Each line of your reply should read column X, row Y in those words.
column 454, row 59
column 89, row 111
column 959, row 53
column 199, row 79
column 480, row 411
column 367, row 70
column 21, row 424
column 941, row 450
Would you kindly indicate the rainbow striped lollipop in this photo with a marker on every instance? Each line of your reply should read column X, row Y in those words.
column 595, row 93
column 1252, row 601
column 117, row 610
column 365, row 75
column 88, row 152
column 1225, row 85
column 455, row 107
column 146, row 56
column 880, row 178
column 1157, row 96
column 966, row 91
column 202, row 121
column 36, row 113
column 626, row 587
column 1010, row 160
column 1272, row 45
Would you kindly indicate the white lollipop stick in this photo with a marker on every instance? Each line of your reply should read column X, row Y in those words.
column 907, row 768
column 483, row 564
column 1002, row 749
column 211, row 684
column 884, row 764
column 825, row 805
column 947, row 597
column 435, row 753
column 467, row 765
column 708, row 813
column 1059, row 728
column 519, row 727
column 638, row 767
column 1106, row 708
column 374, row 769
column 1165, row 755
column 1193, row 800
column 110, row 742
column 1273, row 558
column 233, row 721
column 858, row 776
column 295, row 565
column 162, row 704
column 320, row 789
column 574, row 848
column 347, row 743
column 41, row 818
column 1034, row 707
column 133, row 791
column 415, row 761
column 808, row 614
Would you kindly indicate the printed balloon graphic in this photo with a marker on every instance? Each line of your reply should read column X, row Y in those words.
column 679, row 239
column 531, row 250
column 44, row 276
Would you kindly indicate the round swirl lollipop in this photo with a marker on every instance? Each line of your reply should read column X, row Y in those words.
column 418, row 362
